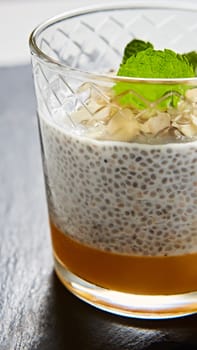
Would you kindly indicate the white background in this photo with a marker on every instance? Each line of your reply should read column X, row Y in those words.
column 18, row 18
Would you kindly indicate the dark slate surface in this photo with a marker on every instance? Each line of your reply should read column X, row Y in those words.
column 36, row 311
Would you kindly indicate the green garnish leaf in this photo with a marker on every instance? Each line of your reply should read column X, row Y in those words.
column 152, row 63
column 135, row 46
column 192, row 58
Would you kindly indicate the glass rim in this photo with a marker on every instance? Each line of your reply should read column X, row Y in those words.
column 121, row 5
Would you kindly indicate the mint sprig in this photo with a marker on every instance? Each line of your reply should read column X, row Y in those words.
column 192, row 58
column 150, row 63
column 135, row 46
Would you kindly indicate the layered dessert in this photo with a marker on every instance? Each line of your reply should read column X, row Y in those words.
column 121, row 178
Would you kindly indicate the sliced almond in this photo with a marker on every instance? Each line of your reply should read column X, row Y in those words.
column 156, row 124
column 91, row 114
column 80, row 115
column 102, row 116
column 187, row 129
column 194, row 120
column 123, row 126
column 191, row 95
column 93, row 106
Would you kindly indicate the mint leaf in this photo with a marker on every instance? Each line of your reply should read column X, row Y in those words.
column 192, row 58
column 135, row 46
column 152, row 63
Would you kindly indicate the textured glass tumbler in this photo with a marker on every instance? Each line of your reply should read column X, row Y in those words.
column 123, row 214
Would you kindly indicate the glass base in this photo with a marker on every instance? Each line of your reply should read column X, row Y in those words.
column 126, row 304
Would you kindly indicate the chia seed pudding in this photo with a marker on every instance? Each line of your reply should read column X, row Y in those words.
column 127, row 198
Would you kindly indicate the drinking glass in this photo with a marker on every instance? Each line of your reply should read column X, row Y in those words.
column 122, row 208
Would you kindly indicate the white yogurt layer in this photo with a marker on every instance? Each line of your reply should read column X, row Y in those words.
column 122, row 197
